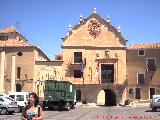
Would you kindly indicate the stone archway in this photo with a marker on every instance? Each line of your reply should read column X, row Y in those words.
column 107, row 97
column 110, row 98
column 116, row 91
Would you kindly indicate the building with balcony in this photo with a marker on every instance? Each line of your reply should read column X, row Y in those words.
column 94, row 55
column 106, row 72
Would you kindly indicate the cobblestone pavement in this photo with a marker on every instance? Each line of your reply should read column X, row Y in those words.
column 96, row 113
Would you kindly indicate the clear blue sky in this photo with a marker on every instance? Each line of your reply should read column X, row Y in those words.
column 44, row 22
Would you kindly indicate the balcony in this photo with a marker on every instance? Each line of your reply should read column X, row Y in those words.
column 141, row 82
column 107, row 81
column 151, row 68
column 78, row 62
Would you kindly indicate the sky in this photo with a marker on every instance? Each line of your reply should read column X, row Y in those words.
column 45, row 22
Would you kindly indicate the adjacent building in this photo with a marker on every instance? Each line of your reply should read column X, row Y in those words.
column 143, row 71
column 21, row 64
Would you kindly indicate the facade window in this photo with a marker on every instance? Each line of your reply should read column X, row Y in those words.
column 77, row 57
column 152, row 92
column 3, row 37
column 137, row 93
column 151, row 64
column 141, row 52
column 19, row 53
column 6, row 38
column 130, row 91
column 140, row 79
column 18, row 72
column 77, row 73
column 18, row 87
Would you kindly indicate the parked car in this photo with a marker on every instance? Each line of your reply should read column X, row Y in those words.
column 21, row 98
column 7, row 105
column 155, row 102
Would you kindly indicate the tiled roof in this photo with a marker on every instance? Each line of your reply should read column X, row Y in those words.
column 14, row 43
column 144, row 46
column 8, row 30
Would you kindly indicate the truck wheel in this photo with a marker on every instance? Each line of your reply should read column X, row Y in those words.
column 3, row 111
column 18, row 110
column 11, row 112
column 72, row 106
column 68, row 106
column 154, row 109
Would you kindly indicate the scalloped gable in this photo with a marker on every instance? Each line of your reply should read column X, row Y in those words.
column 103, row 22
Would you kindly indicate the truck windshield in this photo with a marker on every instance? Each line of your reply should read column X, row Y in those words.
column 20, row 97
column 12, row 96
column 9, row 98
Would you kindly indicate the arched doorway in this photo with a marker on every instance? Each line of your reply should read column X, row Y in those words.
column 110, row 98
column 18, row 87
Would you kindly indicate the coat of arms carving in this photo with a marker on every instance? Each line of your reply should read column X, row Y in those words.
column 94, row 28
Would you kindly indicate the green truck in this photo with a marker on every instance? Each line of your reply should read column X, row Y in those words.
column 59, row 94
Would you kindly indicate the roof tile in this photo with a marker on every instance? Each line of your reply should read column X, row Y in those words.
column 14, row 43
column 8, row 30
column 144, row 46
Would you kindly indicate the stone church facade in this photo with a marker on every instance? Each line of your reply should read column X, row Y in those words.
column 94, row 54
column 103, row 69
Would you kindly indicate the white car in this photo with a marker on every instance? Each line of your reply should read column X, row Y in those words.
column 155, row 102
column 20, row 97
column 7, row 105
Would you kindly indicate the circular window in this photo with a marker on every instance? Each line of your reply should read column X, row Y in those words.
column 19, row 53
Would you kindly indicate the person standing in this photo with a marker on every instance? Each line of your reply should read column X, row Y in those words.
column 32, row 111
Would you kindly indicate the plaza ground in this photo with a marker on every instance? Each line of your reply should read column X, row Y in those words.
column 92, row 112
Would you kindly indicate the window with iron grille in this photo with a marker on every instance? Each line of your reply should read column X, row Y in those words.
column 18, row 72
column 130, row 91
column 151, row 64
column 140, row 78
column 77, row 73
column 2, row 37
column 152, row 92
column 77, row 57
column 137, row 93
column 141, row 53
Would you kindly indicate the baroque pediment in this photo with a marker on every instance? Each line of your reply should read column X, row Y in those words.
column 94, row 25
